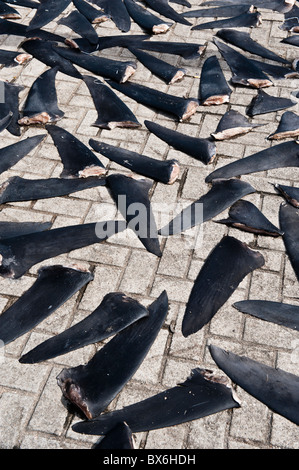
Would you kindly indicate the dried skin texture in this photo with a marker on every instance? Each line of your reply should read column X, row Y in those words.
column 190, row 110
column 216, row 100
column 92, row 171
column 23, row 58
column 160, row 28
column 42, row 118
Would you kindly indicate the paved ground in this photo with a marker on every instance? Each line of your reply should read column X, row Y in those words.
column 33, row 414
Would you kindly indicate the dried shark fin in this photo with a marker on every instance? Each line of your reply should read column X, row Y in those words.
column 47, row 11
column 167, row 72
column 11, row 154
column 119, row 437
column 10, row 104
column 225, row 267
column 283, row 155
column 247, row 217
column 199, row 396
column 19, row 254
column 21, row 189
column 23, row 3
column 182, row 108
column 52, row 288
column 233, row 124
column 5, row 121
column 289, row 224
column 288, row 127
column 41, row 106
column 145, row 19
column 12, row 58
column 44, row 51
column 275, row 312
column 292, row 40
column 8, row 12
column 278, row 72
column 112, row 111
column 163, row 8
column 213, row 87
column 19, row 29
column 77, row 22
column 274, row 387
column 117, row 70
column 243, row 40
column 165, row 171
column 290, row 194
column 188, row 51
column 243, row 71
column 116, row 312
column 14, row 229
column 283, row 6
column 222, row 195
column 116, row 10
column 131, row 196
column 263, row 103
column 250, row 19
column 77, row 159
column 92, row 14
column 201, row 149
column 225, row 11
column 94, row 385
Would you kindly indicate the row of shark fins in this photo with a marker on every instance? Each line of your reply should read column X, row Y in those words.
column 226, row 266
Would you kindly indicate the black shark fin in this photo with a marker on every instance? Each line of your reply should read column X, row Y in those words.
column 53, row 287
column 145, row 19
column 116, row 312
column 249, row 19
column 201, row 149
column 233, row 124
column 199, row 396
column 182, row 108
column 243, row 40
column 167, row 72
column 19, row 254
column 112, row 111
column 10, row 104
column 92, row 14
column 226, row 266
column 274, row 387
column 243, row 71
column 290, row 194
column 213, row 87
column 247, row 217
column 222, row 195
column 117, row 70
column 288, row 127
column 283, row 155
column 47, row 11
column 77, row 159
column 275, row 312
column 289, row 224
column 77, row 22
column 263, row 103
column 120, row 437
column 163, row 8
column 165, row 171
column 44, row 51
column 41, row 105
column 94, row 385
column 21, row 189
column 131, row 196
column 15, row 229
column 11, row 154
